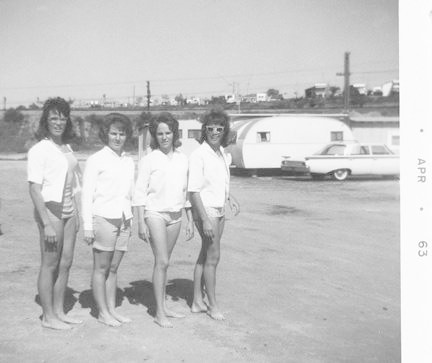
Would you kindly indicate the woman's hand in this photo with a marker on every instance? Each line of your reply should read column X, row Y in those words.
column 234, row 205
column 77, row 223
column 189, row 230
column 208, row 229
column 50, row 238
column 89, row 237
column 143, row 232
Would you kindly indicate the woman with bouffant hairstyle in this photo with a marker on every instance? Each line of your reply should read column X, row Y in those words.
column 107, row 214
column 63, row 108
column 53, row 175
column 209, row 177
column 160, row 196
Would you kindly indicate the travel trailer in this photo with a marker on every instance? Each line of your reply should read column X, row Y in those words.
column 262, row 143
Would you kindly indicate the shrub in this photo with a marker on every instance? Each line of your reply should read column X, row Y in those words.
column 13, row 115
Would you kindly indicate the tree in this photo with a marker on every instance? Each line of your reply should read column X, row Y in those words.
column 12, row 115
column 180, row 99
column 273, row 93
column 217, row 100
column 33, row 106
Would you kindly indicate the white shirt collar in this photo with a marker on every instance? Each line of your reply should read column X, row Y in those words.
column 106, row 147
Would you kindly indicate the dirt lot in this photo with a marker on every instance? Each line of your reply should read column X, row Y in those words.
column 309, row 273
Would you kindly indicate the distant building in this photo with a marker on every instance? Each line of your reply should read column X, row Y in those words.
column 230, row 98
column 193, row 100
column 261, row 97
column 250, row 98
column 390, row 88
column 361, row 88
column 318, row 90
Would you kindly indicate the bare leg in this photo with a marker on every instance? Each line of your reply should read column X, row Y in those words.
column 198, row 304
column 101, row 265
column 158, row 233
column 210, row 265
column 49, row 265
column 173, row 231
column 111, row 287
column 60, row 285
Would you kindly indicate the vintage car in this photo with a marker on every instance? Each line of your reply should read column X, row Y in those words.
column 340, row 160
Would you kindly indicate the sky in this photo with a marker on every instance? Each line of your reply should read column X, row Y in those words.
column 82, row 49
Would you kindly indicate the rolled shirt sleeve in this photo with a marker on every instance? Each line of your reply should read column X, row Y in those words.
column 196, row 173
column 35, row 165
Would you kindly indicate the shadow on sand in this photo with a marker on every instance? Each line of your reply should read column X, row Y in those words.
column 141, row 293
column 87, row 301
column 69, row 300
column 138, row 293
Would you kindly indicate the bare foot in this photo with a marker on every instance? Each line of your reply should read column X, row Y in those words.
column 215, row 314
column 163, row 322
column 108, row 320
column 68, row 319
column 198, row 307
column 120, row 318
column 173, row 314
column 55, row 324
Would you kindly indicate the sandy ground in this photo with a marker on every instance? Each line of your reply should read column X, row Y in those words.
column 309, row 273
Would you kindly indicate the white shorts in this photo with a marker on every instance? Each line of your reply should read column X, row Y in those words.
column 111, row 234
column 168, row 217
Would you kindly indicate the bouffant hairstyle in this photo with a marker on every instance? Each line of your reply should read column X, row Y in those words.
column 113, row 118
column 173, row 125
column 215, row 117
column 62, row 107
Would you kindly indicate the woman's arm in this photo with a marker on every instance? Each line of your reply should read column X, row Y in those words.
column 50, row 237
column 189, row 225
column 88, row 188
column 139, row 199
column 233, row 204
column 197, row 203
column 143, row 231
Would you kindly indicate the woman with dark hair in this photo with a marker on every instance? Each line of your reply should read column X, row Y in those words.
column 161, row 195
column 208, row 186
column 53, row 176
column 107, row 214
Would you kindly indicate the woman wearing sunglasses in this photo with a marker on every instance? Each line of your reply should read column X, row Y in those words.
column 208, row 186
column 160, row 195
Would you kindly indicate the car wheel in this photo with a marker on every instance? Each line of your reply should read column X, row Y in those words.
column 340, row 174
column 316, row 176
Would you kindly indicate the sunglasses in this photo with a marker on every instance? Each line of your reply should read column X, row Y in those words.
column 213, row 129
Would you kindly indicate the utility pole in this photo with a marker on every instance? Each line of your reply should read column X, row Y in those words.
column 148, row 96
column 346, row 75
column 4, row 103
column 133, row 97
column 237, row 97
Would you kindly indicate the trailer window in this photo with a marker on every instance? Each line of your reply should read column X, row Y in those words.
column 180, row 133
column 194, row 134
column 395, row 139
column 263, row 136
column 336, row 135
